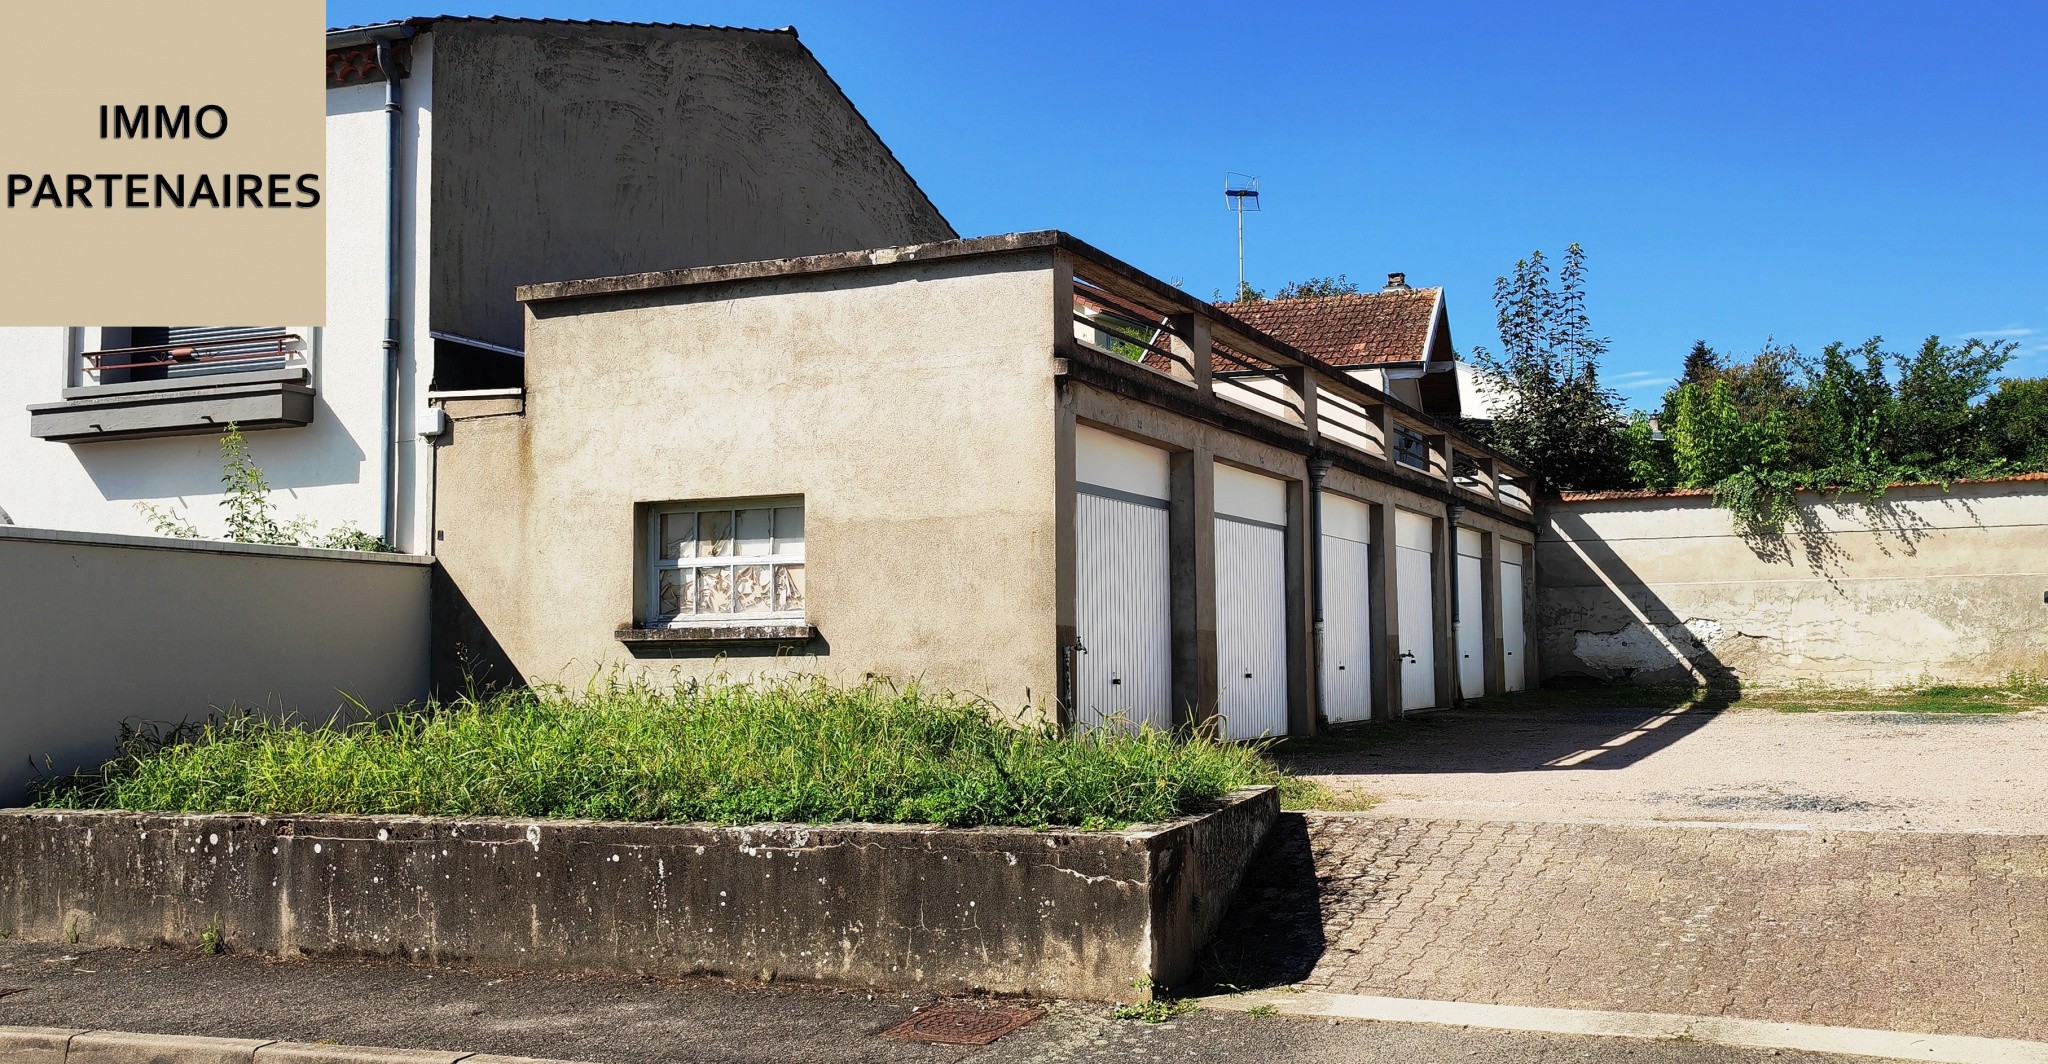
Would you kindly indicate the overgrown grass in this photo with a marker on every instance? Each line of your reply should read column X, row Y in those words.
column 2016, row 696
column 797, row 750
column 2018, row 693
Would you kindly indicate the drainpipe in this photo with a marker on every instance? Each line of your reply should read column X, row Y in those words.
column 394, row 119
column 1451, row 515
column 1318, row 467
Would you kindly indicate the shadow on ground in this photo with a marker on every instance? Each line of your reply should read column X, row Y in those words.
column 1273, row 934
column 1540, row 732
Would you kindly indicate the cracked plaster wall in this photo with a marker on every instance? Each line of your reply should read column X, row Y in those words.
column 1924, row 586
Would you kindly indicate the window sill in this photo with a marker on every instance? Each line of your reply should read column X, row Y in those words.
column 716, row 634
column 185, row 407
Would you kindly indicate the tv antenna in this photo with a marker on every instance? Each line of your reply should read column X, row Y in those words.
column 1241, row 192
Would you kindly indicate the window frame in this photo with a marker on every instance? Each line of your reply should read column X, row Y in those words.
column 652, row 564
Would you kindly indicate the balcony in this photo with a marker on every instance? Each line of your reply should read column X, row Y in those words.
column 1121, row 317
column 197, row 385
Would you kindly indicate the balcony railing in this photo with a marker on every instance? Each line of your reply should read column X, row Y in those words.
column 1120, row 313
column 192, row 358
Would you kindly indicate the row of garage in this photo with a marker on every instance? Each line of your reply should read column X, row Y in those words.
column 1449, row 628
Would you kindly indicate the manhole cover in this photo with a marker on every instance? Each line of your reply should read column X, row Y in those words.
column 963, row 1023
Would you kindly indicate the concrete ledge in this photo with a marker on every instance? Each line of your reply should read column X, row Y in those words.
column 1090, row 915
column 51, row 1045
column 35, row 1045
column 207, row 546
column 711, row 634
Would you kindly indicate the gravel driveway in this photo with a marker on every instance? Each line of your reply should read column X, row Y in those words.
column 1892, row 771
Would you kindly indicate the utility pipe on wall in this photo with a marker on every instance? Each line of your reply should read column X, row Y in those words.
column 394, row 119
column 1318, row 467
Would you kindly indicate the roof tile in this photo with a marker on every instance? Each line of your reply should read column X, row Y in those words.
column 1368, row 329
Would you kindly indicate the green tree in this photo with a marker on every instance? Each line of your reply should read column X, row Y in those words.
column 1553, row 414
column 2012, row 425
column 1937, row 410
column 1702, row 365
column 1317, row 287
column 1848, row 412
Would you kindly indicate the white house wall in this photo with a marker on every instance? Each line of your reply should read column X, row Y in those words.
column 329, row 471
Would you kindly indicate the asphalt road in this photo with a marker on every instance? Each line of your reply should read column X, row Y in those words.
column 702, row 1021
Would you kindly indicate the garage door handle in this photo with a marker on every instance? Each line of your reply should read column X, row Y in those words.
column 1408, row 654
column 1340, row 668
column 1247, row 676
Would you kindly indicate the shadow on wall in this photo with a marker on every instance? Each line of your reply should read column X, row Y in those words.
column 320, row 454
column 1821, row 549
column 465, row 659
column 1273, row 934
column 1618, row 624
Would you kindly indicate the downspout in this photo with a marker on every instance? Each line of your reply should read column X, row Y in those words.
column 1318, row 467
column 394, row 119
column 1451, row 515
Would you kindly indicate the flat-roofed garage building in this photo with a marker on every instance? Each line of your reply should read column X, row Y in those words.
column 1004, row 466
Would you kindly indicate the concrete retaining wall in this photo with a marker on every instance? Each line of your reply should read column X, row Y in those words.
column 98, row 629
column 1096, row 915
column 1925, row 585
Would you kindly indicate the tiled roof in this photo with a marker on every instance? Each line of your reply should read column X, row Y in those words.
column 425, row 21
column 1368, row 329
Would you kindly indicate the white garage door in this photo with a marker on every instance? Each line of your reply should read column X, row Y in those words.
column 1347, row 609
column 1251, row 603
column 1471, row 615
column 1123, row 611
column 1415, row 565
column 1514, row 663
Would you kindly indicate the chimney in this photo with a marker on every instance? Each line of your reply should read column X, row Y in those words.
column 1396, row 282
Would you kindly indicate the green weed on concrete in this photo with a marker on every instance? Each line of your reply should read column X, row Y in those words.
column 798, row 750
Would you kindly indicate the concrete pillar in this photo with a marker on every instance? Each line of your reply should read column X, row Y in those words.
column 1446, row 556
column 1385, row 609
column 1489, row 566
column 1192, row 513
column 1301, row 657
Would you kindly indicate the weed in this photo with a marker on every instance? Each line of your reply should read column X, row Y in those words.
column 1156, row 1011
column 251, row 518
column 2020, row 692
column 210, row 939
column 789, row 750
column 1298, row 793
column 1262, row 1011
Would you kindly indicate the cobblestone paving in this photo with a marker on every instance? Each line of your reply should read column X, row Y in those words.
column 1944, row 933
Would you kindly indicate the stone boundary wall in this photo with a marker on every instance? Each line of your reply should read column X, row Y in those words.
column 1074, row 914
column 1925, row 585
column 97, row 630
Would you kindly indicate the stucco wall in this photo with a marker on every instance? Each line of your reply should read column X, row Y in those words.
column 569, row 151
column 912, row 409
column 100, row 629
column 1928, row 584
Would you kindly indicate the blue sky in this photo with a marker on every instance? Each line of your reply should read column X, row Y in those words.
column 1736, row 171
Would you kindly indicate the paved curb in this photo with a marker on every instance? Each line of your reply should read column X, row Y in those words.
column 1720, row 1030
column 65, row 1045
